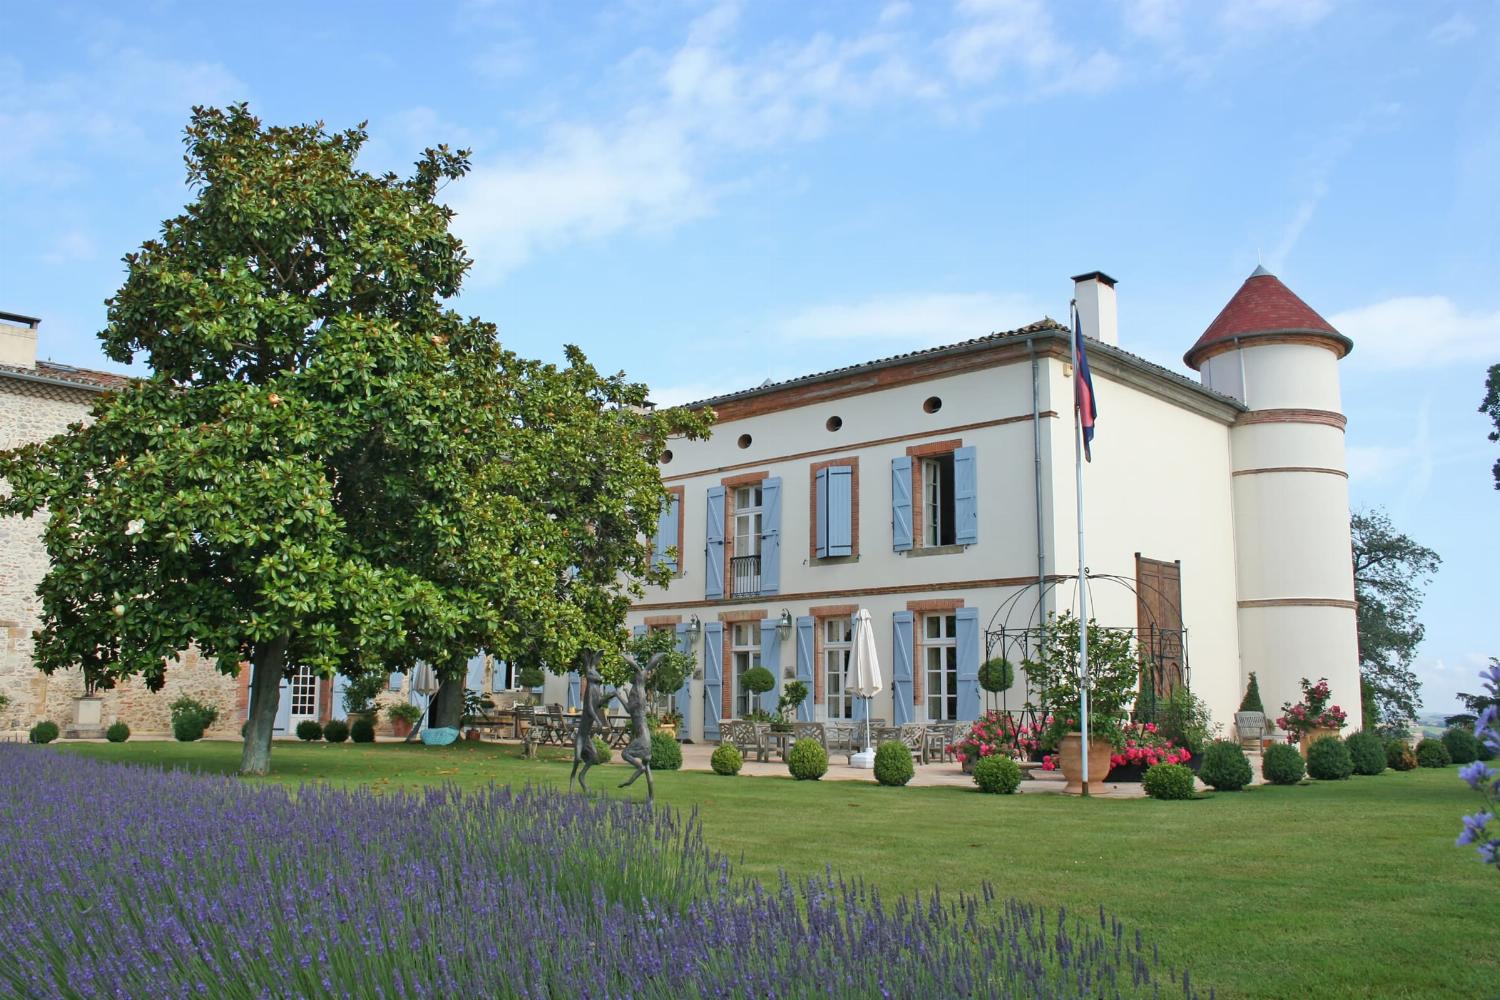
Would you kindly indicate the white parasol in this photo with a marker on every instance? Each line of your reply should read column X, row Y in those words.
column 862, row 678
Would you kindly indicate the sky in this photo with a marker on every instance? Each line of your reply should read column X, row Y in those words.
column 707, row 195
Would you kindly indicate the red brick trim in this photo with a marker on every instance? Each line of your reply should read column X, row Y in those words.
column 1290, row 415
column 1300, row 602
column 832, row 610
column 917, row 452
column 744, row 479
column 935, row 604
column 654, row 621
column 325, row 699
column 812, row 502
column 934, row 448
column 744, row 615
column 819, row 682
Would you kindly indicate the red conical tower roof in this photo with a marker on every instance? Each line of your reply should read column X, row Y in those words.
column 1264, row 307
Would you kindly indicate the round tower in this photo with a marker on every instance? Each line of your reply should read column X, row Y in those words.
column 1294, row 570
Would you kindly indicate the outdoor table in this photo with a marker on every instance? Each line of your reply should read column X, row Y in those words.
column 780, row 739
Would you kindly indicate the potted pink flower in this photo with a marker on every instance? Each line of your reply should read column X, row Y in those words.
column 1313, row 717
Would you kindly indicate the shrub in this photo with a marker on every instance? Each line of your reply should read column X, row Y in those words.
column 531, row 676
column 1169, row 781
column 1432, row 753
column 190, row 717
column 666, row 754
column 1399, row 756
column 727, row 759
column 187, row 728
column 997, row 675
column 807, row 760
column 1367, row 752
column 1462, row 746
column 403, row 711
column 757, row 680
column 308, row 730
column 1251, row 702
column 1282, row 765
column 1328, row 760
column 43, row 732
column 362, row 730
column 337, row 731
column 1225, row 767
column 997, row 774
column 601, row 748
column 118, row 732
column 893, row 764
column 1184, row 719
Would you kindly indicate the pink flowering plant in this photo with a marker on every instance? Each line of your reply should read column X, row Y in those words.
column 1312, row 712
column 1141, row 745
column 992, row 733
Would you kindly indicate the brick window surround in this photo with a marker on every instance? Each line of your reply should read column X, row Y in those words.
column 916, row 453
column 726, row 653
column 677, row 497
column 918, row 661
column 730, row 484
column 820, row 613
column 812, row 505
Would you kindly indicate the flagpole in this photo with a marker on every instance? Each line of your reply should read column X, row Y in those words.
column 1083, row 583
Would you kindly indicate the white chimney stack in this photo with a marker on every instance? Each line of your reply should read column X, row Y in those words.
column 1095, row 294
column 18, row 340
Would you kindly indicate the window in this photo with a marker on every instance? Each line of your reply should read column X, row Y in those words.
column 937, row 500
column 838, row 644
column 304, row 691
column 940, row 662
column 744, row 655
column 664, row 701
column 744, row 565
column 833, row 510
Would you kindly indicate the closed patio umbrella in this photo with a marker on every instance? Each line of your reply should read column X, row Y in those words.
column 424, row 681
column 862, row 678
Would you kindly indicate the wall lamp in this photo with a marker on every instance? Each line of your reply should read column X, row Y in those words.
column 784, row 626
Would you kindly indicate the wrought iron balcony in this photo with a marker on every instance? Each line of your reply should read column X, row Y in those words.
column 744, row 576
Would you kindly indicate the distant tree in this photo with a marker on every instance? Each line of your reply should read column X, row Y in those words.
column 1390, row 573
column 1491, row 407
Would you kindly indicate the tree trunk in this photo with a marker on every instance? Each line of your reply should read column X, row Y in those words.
column 268, row 663
column 448, row 704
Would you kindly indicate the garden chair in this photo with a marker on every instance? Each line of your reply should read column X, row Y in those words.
column 745, row 737
column 884, row 734
column 935, row 742
column 914, row 735
column 810, row 731
column 844, row 738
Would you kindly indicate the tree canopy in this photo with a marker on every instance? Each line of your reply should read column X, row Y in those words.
column 1490, row 407
column 1390, row 574
column 326, row 466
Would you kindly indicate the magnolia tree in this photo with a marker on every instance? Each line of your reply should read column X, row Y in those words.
column 325, row 466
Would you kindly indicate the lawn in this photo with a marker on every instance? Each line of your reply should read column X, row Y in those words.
column 1336, row 889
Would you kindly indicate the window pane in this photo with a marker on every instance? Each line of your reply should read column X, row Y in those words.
column 934, row 626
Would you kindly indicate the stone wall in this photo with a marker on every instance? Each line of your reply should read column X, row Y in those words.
column 34, row 412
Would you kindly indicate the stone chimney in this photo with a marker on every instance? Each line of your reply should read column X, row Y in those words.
column 18, row 340
column 1095, row 294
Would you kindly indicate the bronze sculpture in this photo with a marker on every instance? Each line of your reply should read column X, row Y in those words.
column 638, row 753
column 595, row 710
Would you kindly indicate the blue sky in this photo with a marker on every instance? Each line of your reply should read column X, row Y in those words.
column 709, row 195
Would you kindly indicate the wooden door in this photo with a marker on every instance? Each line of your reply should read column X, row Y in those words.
column 1158, row 588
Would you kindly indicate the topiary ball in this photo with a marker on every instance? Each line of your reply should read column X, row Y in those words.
column 727, row 759
column 807, row 760
column 362, row 730
column 118, row 732
column 1399, row 756
column 1225, row 767
column 337, row 731
column 308, row 730
column 1463, row 748
column 1282, row 764
column 187, row 728
column 43, row 732
column 1432, row 753
column 1328, row 759
column 893, row 764
column 997, row 774
column 666, row 753
column 1169, row 781
column 602, row 751
column 1367, row 752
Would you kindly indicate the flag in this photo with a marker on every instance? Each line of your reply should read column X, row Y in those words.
column 1083, row 390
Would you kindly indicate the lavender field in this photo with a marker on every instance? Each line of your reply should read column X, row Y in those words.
column 124, row 881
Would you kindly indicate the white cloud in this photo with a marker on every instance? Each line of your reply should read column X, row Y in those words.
column 1455, row 29
column 1002, row 39
column 1265, row 15
column 918, row 320
column 1419, row 332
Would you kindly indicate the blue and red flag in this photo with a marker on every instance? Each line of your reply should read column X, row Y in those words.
column 1083, row 390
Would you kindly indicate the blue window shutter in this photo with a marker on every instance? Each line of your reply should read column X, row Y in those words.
column 497, row 676
column 901, row 503
column 713, row 678
column 474, row 678
column 820, row 506
column 684, row 693
column 666, row 535
column 397, row 679
column 840, row 510
column 283, row 707
column 805, row 666
column 770, row 536
column 770, row 658
column 636, row 631
column 967, row 621
column 713, row 578
column 901, row 668
column 572, row 697
column 340, row 685
column 965, row 497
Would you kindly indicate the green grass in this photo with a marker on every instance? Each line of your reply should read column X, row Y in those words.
column 1342, row 889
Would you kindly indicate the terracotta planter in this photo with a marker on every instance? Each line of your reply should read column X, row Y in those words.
column 1312, row 736
column 1070, row 761
column 471, row 735
column 400, row 728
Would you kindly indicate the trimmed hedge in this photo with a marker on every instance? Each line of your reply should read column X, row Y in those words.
column 1225, row 767
column 362, row 730
column 337, row 731
column 1432, row 753
column 807, row 760
column 603, row 751
column 187, row 728
column 1328, row 760
column 666, row 752
column 1282, row 764
column 1399, row 756
column 727, row 759
column 43, row 732
column 308, row 730
column 997, row 774
column 893, row 764
column 118, row 732
column 1169, row 781
column 1367, row 752
column 1462, row 746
